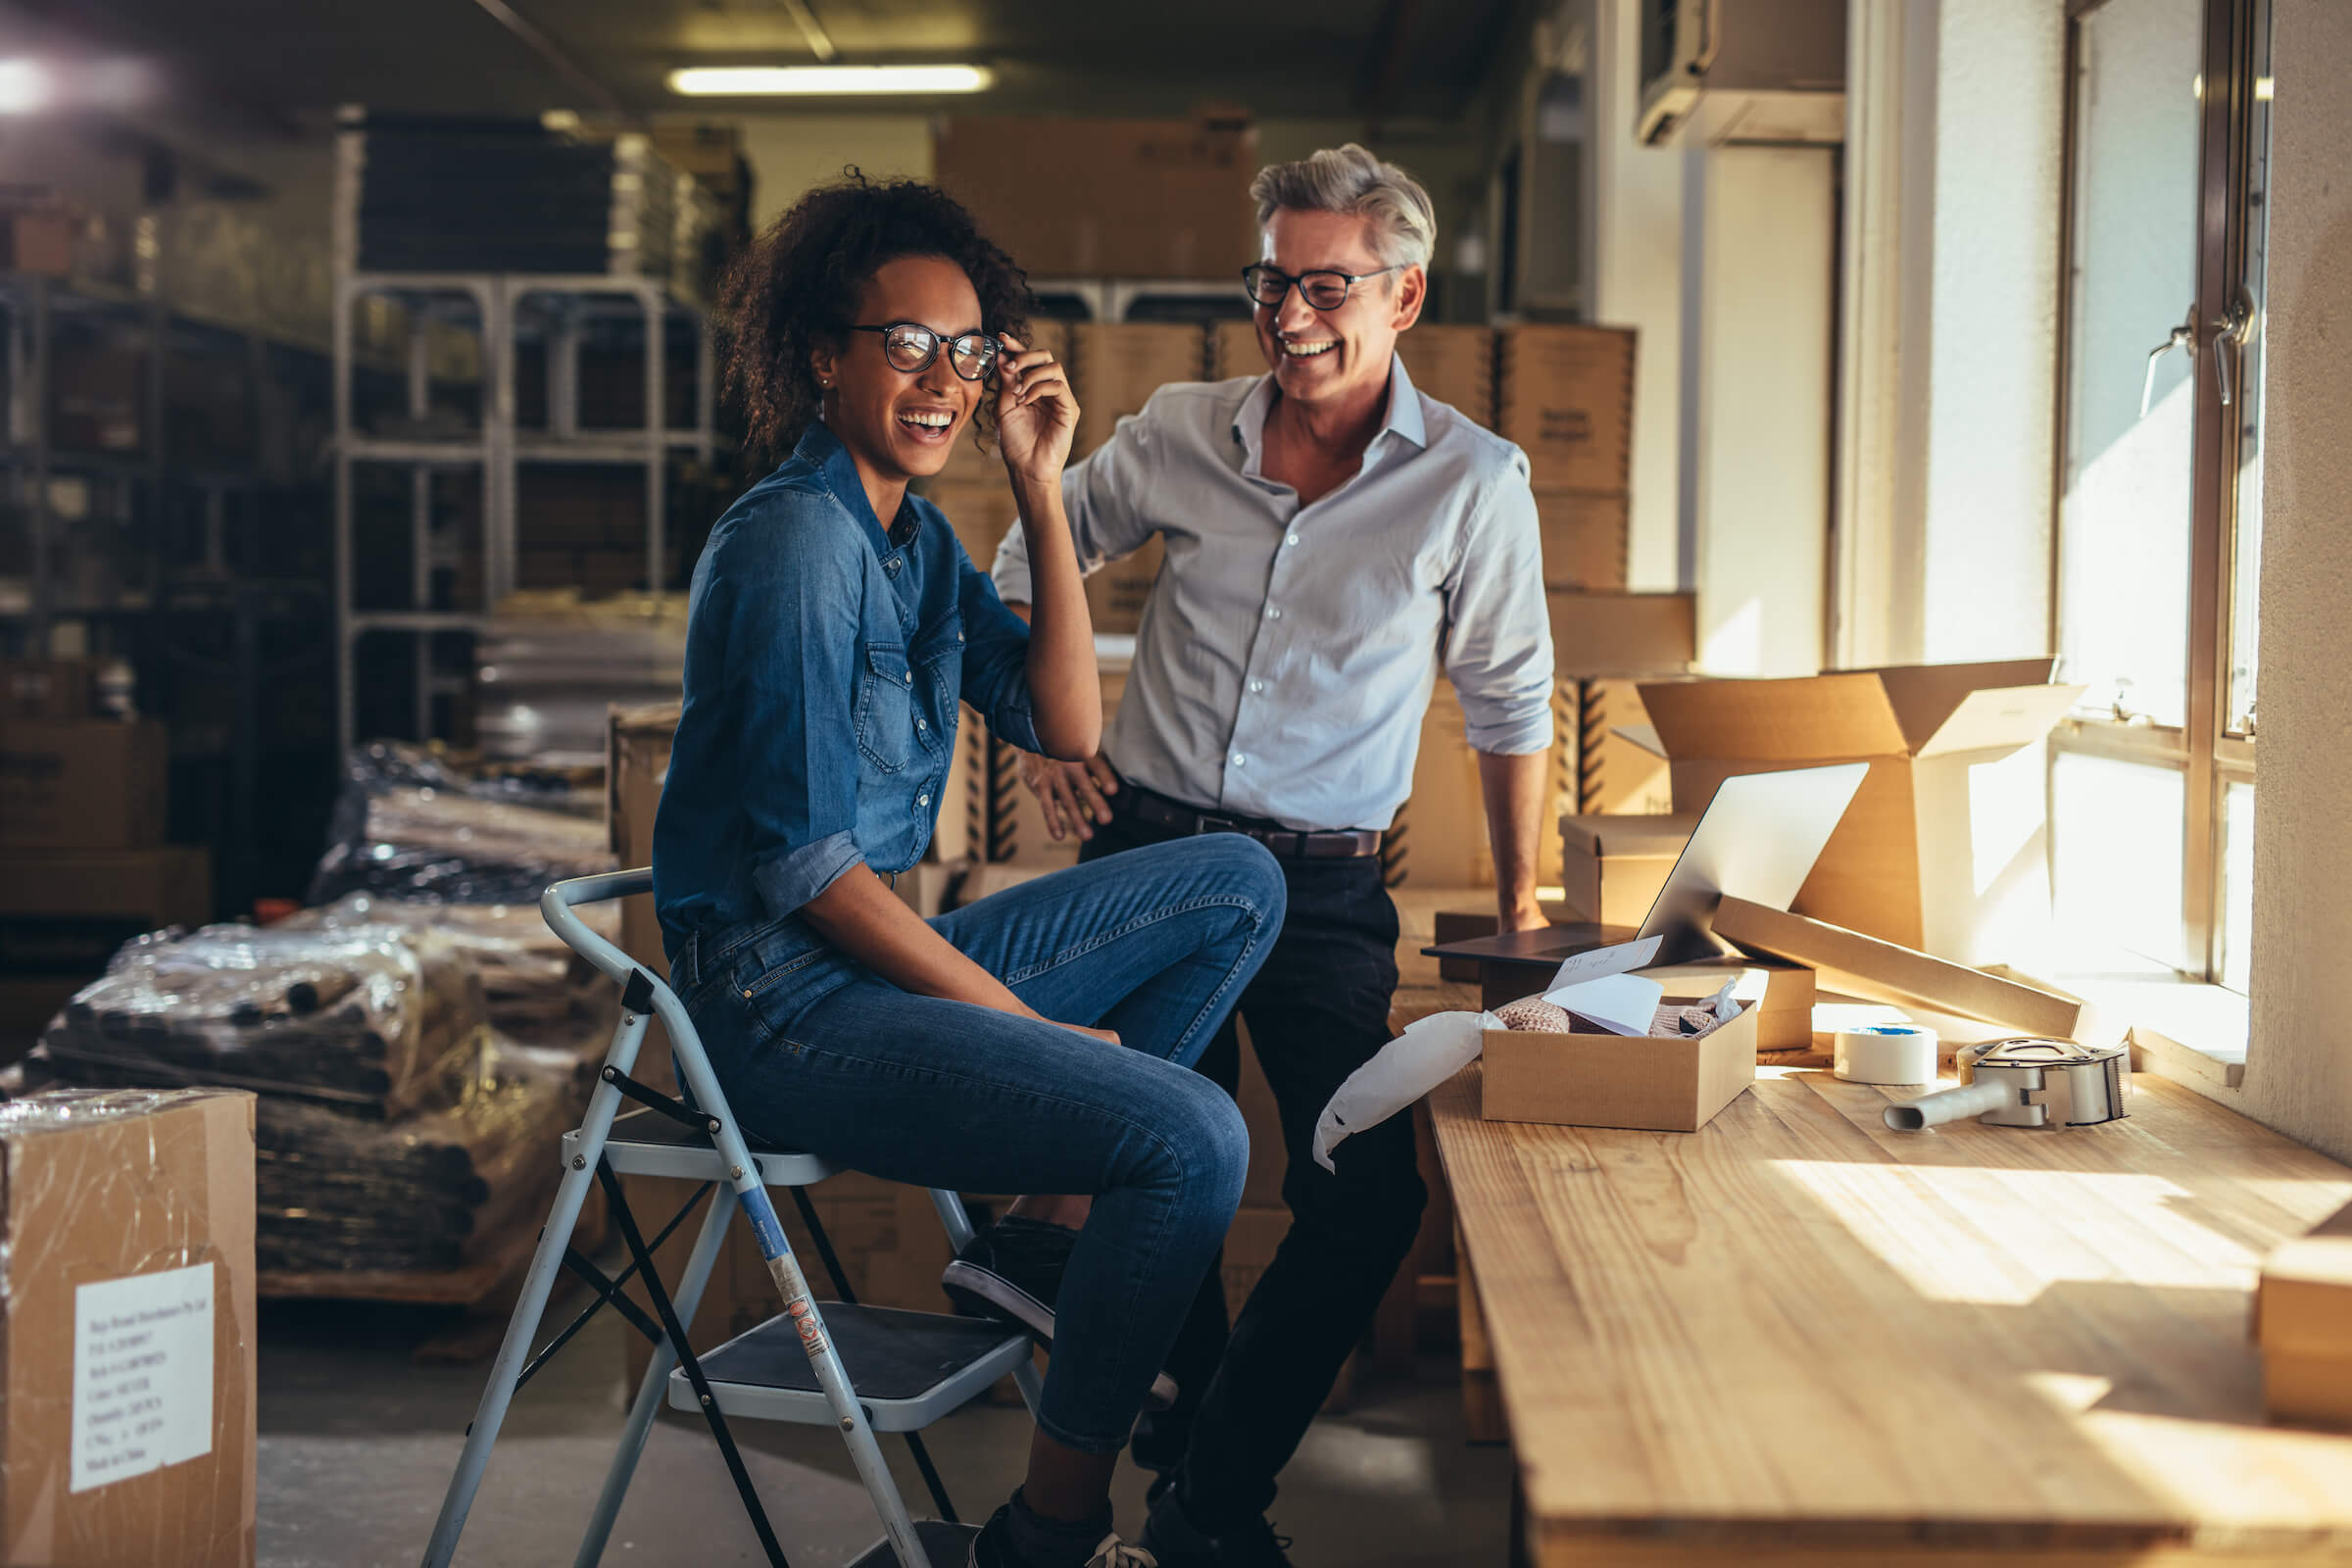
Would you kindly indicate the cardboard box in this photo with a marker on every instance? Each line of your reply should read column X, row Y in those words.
column 82, row 784
column 1455, row 364
column 1603, row 1080
column 62, row 914
column 1116, row 594
column 1856, row 966
column 1439, row 837
column 1122, row 364
column 45, row 688
column 1613, row 867
column 1944, row 848
column 1584, row 540
column 1565, row 394
column 37, row 240
column 1622, row 634
column 1233, row 349
column 2303, row 1322
column 129, row 1425
column 1601, row 770
column 1107, row 198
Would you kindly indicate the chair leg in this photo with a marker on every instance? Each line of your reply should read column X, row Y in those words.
column 688, row 1297
column 537, row 1282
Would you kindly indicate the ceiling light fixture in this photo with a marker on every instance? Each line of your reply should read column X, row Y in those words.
column 25, row 87
column 731, row 81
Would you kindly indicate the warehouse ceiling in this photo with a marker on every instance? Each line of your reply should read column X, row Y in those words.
column 291, row 60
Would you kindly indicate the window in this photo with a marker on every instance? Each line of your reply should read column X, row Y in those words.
column 2159, row 483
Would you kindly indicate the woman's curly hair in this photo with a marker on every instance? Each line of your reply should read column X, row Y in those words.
column 796, row 285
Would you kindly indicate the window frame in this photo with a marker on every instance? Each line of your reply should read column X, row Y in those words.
column 2202, row 747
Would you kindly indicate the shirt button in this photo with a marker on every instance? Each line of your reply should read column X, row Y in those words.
column 1272, row 613
column 1238, row 759
column 1292, row 540
column 891, row 565
column 918, row 724
column 1257, row 685
column 907, row 677
column 922, row 800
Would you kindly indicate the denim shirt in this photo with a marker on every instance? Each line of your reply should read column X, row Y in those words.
column 823, row 667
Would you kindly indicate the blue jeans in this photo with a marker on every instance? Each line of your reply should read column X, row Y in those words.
column 817, row 1051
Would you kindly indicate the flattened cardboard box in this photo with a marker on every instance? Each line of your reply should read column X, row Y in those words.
column 1596, row 1079
column 125, row 1186
column 1944, row 848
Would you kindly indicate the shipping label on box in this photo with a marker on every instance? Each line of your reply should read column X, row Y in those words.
column 1566, row 397
column 130, row 1415
column 88, row 784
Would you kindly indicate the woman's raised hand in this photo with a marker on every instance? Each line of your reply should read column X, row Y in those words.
column 1036, row 415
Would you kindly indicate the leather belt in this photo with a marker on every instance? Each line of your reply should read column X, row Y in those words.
column 1178, row 821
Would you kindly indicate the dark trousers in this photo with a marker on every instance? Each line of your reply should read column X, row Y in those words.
column 1318, row 1010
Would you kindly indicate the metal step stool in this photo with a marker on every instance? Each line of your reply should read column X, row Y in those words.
column 862, row 1370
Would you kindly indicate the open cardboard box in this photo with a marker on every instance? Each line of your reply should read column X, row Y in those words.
column 1944, row 848
column 1598, row 1079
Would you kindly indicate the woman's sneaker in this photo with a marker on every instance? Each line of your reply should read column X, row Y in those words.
column 991, row 1547
column 1011, row 1271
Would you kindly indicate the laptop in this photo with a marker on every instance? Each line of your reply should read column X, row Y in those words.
column 1758, row 840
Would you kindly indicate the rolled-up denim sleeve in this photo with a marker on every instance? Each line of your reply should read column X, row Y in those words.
column 792, row 606
column 1499, row 653
column 996, row 658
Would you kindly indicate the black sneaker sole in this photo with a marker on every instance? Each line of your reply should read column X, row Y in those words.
column 977, row 1292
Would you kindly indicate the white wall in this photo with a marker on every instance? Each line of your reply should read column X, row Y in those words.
column 2299, row 1059
column 1951, row 236
column 1760, row 234
column 1635, row 246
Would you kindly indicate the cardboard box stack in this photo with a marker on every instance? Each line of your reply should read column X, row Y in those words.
column 1944, row 848
column 1125, row 198
column 83, row 866
column 581, row 526
column 127, row 1222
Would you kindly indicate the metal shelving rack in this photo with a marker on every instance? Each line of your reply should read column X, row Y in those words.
column 498, row 447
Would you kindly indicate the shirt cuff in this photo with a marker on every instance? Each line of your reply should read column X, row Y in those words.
column 789, row 880
column 1513, row 736
column 1015, row 724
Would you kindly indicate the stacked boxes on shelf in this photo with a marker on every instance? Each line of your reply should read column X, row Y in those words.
column 84, row 865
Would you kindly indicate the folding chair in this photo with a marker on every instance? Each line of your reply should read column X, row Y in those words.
column 862, row 1370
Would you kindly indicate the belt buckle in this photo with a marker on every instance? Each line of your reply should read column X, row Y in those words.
column 1205, row 822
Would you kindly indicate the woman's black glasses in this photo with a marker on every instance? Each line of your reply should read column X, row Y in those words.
column 1323, row 288
column 910, row 346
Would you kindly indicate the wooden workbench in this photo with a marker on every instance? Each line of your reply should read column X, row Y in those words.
column 1795, row 1338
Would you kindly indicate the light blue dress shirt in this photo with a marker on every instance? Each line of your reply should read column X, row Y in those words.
column 1286, row 652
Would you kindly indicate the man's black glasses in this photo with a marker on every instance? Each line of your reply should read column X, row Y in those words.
column 910, row 346
column 1322, row 288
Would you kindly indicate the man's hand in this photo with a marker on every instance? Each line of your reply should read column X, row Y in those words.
column 1072, row 795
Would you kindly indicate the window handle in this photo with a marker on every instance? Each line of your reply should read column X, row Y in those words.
column 2232, row 334
column 2184, row 336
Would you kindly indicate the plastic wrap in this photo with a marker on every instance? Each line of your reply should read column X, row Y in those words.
column 535, row 989
column 408, row 826
column 374, row 1020
column 437, row 1190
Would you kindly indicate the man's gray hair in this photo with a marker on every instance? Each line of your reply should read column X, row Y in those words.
column 1349, row 179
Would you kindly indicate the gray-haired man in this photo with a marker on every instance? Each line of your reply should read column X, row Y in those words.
column 1333, row 538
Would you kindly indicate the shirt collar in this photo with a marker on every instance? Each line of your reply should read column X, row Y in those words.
column 823, row 451
column 1402, row 418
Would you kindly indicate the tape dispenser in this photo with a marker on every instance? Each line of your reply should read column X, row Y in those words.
column 2028, row 1082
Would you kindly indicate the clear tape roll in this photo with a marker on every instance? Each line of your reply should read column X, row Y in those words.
column 1885, row 1053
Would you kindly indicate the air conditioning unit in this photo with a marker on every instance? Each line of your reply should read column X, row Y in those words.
column 1742, row 73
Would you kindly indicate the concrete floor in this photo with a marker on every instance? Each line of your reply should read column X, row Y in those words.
column 357, row 1442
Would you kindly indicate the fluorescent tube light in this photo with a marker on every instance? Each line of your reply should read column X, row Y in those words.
column 707, row 81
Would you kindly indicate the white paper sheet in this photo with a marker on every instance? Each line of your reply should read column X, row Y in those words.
column 1621, row 1004
column 1603, row 961
column 1431, row 1050
column 142, row 1374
